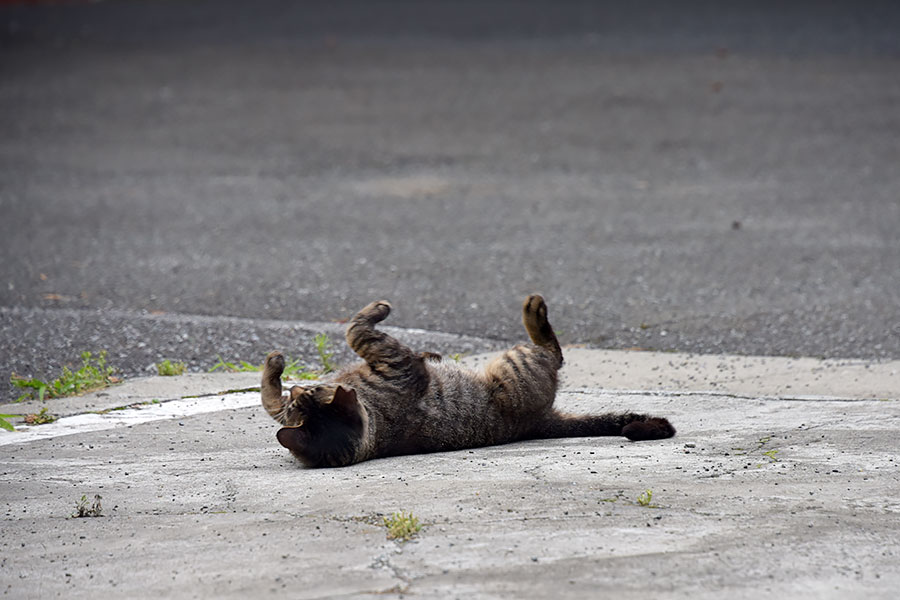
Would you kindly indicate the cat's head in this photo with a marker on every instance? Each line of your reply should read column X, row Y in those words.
column 327, row 425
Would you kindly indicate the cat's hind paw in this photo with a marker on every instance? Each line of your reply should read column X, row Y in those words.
column 535, row 309
column 534, row 317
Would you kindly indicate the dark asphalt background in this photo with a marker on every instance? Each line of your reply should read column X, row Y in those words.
column 698, row 176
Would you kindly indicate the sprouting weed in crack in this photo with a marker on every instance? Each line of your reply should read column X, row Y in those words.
column 83, row 509
column 40, row 418
column 402, row 526
column 645, row 498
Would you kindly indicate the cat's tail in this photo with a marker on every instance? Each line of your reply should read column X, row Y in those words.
column 633, row 426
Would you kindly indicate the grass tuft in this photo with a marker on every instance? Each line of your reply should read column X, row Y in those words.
column 645, row 498
column 402, row 526
column 293, row 369
column 82, row 509
column 41, row 418
column 230, row 367
column 4, row 424
column 94, row 374
column 323, row 347
column 167, row 368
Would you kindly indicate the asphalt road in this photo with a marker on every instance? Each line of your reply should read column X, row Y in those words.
column 671, row 177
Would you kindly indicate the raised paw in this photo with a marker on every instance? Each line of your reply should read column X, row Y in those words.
column 534, row 317
column 274, row 364
column 535, row 309
column 271, row 385
column 376, row 311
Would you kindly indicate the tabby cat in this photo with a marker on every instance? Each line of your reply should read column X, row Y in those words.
column 400, row 402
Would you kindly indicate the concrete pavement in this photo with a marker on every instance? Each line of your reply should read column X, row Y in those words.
column 766, row 490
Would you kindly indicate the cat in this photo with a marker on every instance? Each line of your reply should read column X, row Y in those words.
column 399, row 402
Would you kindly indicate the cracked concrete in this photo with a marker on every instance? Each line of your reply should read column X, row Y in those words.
column 756, row 495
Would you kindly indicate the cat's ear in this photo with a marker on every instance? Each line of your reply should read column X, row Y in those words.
column 345, row 398
column 293, row 438
column 296, row 392
column 348, row 407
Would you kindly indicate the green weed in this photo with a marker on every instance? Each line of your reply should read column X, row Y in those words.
column 230, row 367
column 4, row 424
column 82, row 509
column 292, row 368
column 169, row 369
column 323, row 347
column 645, row 498
column 94, row 374
column 402, row 526
column 760, row 444
column 41, row 418
column 232, row 391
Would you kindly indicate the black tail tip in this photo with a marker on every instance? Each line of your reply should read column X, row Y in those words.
column 654, row 428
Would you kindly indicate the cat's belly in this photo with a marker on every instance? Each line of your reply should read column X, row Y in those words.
column 444, row 423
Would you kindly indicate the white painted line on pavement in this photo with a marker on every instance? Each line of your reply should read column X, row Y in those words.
column 173, row 409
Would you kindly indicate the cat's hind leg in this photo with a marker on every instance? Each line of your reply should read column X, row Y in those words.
column 534, row 317
column 522, row 380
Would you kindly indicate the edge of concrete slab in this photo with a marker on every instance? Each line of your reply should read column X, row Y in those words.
column 618, row 371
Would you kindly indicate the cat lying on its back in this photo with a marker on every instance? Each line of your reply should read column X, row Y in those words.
column 399, row 402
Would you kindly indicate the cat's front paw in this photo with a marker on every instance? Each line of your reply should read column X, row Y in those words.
column 274, row 364
column 376, row 311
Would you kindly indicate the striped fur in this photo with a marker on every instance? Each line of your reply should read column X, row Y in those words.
column 400, row 402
